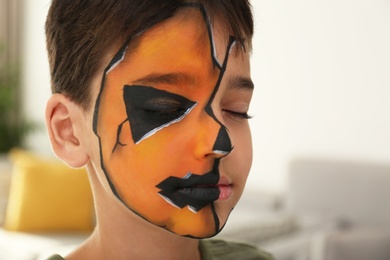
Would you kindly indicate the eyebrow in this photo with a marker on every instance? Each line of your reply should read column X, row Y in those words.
column 176, row 78
column 239, row 82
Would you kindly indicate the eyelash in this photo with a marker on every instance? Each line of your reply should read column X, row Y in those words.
column 177, row 110
column 238, row 115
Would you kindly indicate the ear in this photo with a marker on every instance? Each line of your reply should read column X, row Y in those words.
column 64, row 122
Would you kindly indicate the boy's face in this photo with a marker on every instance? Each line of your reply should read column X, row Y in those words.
column 174, row 141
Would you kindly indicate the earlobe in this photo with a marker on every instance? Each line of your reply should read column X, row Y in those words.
column 64, row 121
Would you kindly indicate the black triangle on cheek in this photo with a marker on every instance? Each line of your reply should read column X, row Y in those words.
column 145, row 117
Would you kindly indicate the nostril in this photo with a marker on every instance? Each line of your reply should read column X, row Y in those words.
column 222, row 145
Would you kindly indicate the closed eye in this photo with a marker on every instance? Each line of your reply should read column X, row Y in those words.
column 149, row 110
column 165, row 108
column 237, row 115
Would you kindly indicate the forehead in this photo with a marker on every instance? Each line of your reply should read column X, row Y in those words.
column 185, row 45
column 171, row 45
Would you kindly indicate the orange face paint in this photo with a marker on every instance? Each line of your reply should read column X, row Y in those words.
column 156, row 127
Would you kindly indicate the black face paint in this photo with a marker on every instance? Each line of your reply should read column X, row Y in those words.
column 149, row 109
column 194, row 191
column 222, row 145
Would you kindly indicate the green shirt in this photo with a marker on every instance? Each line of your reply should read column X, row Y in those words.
column 214, row 249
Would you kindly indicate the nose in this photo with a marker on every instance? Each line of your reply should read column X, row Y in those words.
column 212, row 139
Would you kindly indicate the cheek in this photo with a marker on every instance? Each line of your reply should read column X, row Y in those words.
column 242, row 154
column 248, row 149
column 147, row 164
column 136, row 169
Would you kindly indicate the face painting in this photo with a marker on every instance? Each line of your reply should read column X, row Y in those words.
column 161, row 143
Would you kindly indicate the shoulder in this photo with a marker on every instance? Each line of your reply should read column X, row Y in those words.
column 215, row 249
column 56, row 257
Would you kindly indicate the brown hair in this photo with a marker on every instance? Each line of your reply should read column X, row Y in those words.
column 80, row 34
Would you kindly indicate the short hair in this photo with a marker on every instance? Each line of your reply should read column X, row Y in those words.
column 81, row 33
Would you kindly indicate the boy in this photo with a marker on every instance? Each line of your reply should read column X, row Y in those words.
column 152, row 97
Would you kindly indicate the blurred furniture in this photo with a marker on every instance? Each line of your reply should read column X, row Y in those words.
column 353, row 196
column 46, row 207
column 332, row 211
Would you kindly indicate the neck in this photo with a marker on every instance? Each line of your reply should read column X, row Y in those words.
column 121, row 234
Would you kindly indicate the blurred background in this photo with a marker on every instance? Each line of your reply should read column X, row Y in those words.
column 321, row 70
column 321, row 105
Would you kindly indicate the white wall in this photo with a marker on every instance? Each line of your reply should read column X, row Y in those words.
column 321, row 70
column 36, row 76
column 322, row 75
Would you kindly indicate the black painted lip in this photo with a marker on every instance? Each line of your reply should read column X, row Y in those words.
column 194, row 191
